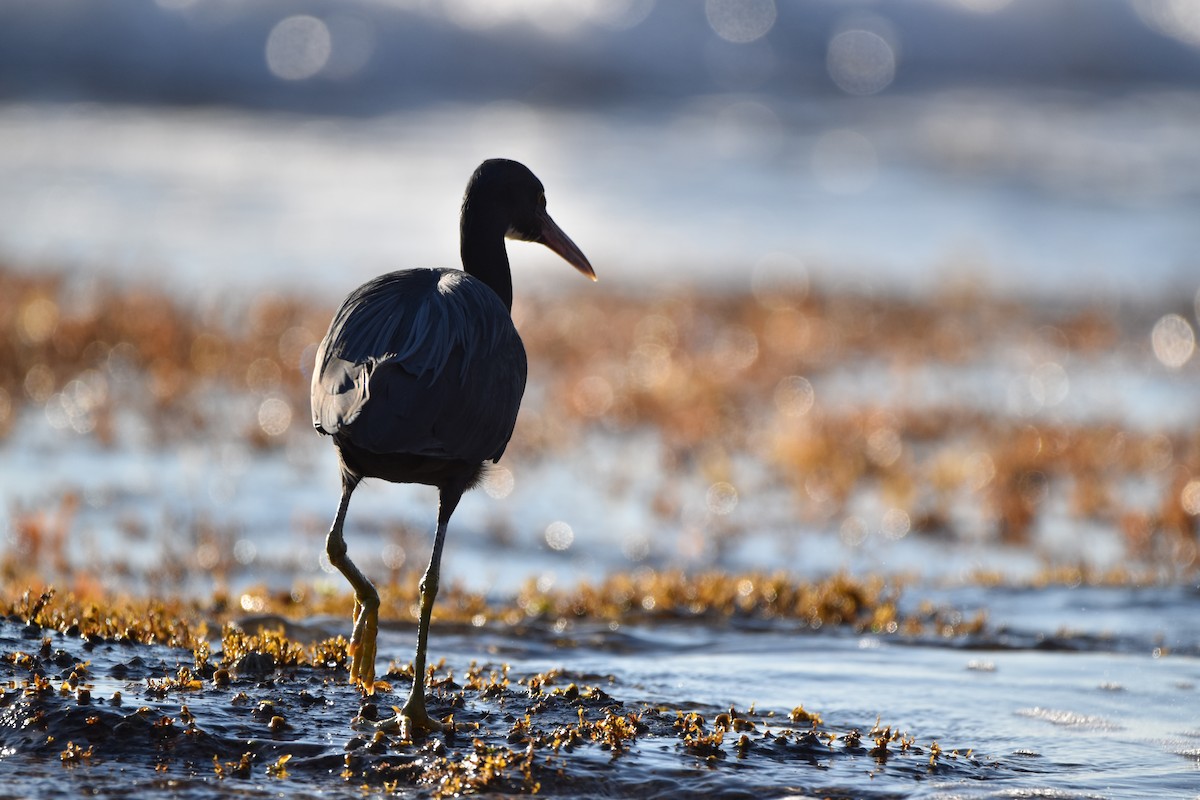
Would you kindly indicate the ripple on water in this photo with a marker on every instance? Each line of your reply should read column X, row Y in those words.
column 1068, row 719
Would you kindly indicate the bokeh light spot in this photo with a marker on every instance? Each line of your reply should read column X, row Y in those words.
column 298, row 47
column 740, row 21
column 736, row 348
column 559, row 535
column 263, row 375
column 76, row 404
column 252, row 603
column 860, row 62
column 393, row 556
column 37, row 320
column 853, row 531
column 1189, row 498
column 39, row 383
column 896, row 523
column 884, row 446
column 794, row 396
column 244, row 551
column 1173, row 340
column 208, row 556
column 498, row 482
column 1179, row 19
column 274, row 416
column 721, row 498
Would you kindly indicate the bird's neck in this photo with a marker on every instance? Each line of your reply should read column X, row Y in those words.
column 484, row 255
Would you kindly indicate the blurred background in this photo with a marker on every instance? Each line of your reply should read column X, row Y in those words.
column 1028, row 146
column 866, row 269
column 905, row 289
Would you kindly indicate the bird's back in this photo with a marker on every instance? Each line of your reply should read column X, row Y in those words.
column 422, row 362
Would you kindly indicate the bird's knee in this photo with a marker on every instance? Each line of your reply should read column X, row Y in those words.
column 369, row 598
column 335, row 548
column 429, row 584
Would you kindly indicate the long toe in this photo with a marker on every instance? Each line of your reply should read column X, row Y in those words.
column 413, row 727
column 367, row 649
column 411, row 724
column 362, row 648
column 355, row 651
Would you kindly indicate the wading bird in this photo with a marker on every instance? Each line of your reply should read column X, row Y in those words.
column 419, row 380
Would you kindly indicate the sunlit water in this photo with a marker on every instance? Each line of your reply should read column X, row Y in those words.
column 1023, row 193
column 1092, row 722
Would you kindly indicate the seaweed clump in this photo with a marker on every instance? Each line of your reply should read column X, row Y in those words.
column 718, row 378
column 870, row 604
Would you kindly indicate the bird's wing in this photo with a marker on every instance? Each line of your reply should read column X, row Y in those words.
column 425, row 362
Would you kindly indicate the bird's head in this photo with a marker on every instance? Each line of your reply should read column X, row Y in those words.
column 517, row 199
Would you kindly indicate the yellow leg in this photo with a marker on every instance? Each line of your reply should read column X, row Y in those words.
column 366, row 599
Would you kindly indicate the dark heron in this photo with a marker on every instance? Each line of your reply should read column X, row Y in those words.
column 419, row 380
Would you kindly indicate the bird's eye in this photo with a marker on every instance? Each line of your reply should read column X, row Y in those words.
column 541, row 201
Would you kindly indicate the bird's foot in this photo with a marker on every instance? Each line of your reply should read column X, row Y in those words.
column 412, row 721
column 362, row 646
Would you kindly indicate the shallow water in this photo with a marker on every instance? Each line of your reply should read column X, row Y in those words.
column 1092, row 713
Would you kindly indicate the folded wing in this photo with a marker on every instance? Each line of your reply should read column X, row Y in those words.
column 421, row 361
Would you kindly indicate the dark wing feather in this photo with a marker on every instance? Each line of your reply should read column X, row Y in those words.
column 425, row 362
